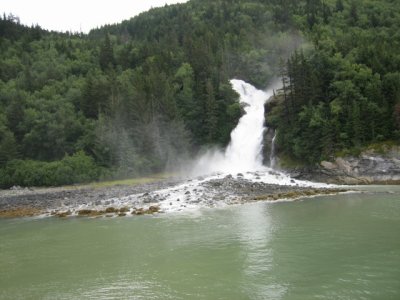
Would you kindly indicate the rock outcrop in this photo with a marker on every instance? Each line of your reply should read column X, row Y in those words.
column 370, row 167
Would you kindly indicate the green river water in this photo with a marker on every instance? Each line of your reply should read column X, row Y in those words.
column 331, row 247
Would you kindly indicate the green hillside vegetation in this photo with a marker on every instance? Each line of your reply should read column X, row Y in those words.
column 344, row 94
column 130, row 98
column 133, row 98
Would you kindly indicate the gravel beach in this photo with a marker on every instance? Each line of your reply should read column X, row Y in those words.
column 21, row 202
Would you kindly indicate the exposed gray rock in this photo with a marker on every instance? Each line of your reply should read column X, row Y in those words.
column 368, row 168
column 52, row 198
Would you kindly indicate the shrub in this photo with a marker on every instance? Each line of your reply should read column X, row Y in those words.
column 77, row 168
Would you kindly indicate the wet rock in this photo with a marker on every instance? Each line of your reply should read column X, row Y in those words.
column 195, row 201
column 20, row 212
column 111, row 210
column 304, row 192
column 138, row 211
column 153, row 209
column 148, row 200
column 63, row 214
column 89, row 213
column 124, row 209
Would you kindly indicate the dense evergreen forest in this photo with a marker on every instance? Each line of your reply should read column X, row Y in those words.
column 133, row 98
column 343, row 94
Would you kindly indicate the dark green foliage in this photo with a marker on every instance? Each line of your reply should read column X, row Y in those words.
column 106, row 56
column 344, row 94
column 136, row 96
column 339, row 5
column 71, row 169
column 8, row 144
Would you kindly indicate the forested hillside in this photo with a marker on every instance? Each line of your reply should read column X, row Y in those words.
column 134, row 97
column 131, row 98
column 344, row 94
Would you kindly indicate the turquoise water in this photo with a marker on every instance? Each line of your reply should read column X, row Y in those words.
column 331, row 247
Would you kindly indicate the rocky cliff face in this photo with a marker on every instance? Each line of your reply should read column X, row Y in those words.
column 368, row 168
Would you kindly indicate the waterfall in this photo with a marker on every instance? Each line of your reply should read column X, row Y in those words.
column 244, row 152
column 223, row 174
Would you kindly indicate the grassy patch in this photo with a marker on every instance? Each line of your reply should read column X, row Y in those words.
column 131, row 181
column 382, row 147
column 288, row 162
column 379, row 148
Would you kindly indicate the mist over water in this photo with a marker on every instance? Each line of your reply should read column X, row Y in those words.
column 244, row 152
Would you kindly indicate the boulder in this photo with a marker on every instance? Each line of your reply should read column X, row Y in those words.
column 328, row 165
column 153, row 209
column 111, row 210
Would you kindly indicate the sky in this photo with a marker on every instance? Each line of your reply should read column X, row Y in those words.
column 77, row 15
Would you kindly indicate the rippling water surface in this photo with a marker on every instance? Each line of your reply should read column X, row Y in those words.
column 332, row 247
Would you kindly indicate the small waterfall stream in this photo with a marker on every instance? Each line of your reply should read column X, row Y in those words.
column 272, row 156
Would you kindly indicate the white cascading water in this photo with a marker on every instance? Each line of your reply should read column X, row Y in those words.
column 243, row 153
column 244, row 150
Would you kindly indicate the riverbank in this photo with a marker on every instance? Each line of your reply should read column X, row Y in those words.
column 141, row 198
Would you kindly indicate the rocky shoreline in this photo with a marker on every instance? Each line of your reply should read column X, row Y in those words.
column 163, row 195
column 21, row 202
column 370, row 167
column 106, row 201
